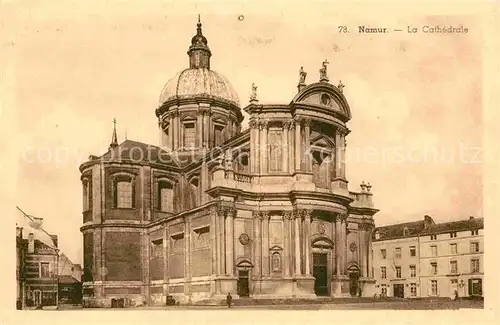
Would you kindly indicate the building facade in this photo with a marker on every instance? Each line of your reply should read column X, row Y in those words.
column 264, row 212
column 425, row 259
column 37, row 273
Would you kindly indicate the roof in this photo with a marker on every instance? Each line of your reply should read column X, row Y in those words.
column 398, row 230
column 67, row 279
column 199, row 83
column 136, row 151
column 419, row 228
column 455, row 226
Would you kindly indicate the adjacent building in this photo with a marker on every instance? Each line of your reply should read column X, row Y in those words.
column 262, row 212
column 44, row 277
column 425, row 259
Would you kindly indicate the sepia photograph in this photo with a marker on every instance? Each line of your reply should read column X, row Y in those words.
column 211, row 156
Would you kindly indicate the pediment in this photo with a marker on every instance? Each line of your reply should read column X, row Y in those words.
column 276, row 248
column 324, row 95
column 323, row 242
column 244, row 263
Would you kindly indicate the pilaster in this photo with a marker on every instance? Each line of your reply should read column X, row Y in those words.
column 287, row 216
column 307, row 145
column 285, row 146
column 307, row 235
column 264, row 216
column 298, row 153
column 297, row 242
column 257, row 248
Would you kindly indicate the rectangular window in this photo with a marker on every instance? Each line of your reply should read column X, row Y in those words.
column 474, row 232
column 434, row 287
column 474, row 265
column 453, row 234
column 434, row 251
column 275, row 150
column 383, row 252
column 44, row 270
column 124, row 194
column 383, row 272
column 384, row 291
column 398, row 252
column 413, row 271
column 166, row 199
column 453, row 267
column 434, row 268
column 453, row 248
column 218, row 135
column 157, row 248
column 413, row 289
column 474, row 247
column 398, row 272
column 413, row 251
column 433, row 237
column 189, row 135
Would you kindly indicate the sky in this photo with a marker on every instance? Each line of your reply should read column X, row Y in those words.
column 416, row 127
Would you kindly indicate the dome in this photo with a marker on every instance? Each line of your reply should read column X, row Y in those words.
column 199, row 83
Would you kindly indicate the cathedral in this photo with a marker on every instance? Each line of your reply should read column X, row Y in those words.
column 263, row 212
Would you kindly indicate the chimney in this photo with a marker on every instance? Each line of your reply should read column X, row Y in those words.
column 31, row 243
column 19, row 232
column 471, row 218
column 428, row 221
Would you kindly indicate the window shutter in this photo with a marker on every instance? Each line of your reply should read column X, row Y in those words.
column 470, row 287
column 480, row 284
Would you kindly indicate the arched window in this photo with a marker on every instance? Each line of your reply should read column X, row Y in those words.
column 242, row 163
column 276, row 262
column 377, row 234
column 320, row 165
column 165, row 196
column 406, row 232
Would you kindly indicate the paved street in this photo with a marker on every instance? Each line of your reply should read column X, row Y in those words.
column 396, row 305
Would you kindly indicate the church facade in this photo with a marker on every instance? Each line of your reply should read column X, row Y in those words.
column 261, row 213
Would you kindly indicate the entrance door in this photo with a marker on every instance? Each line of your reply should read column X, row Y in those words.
column 353, row 283
column 399, row 290
column 37, row 298
column 453, row 287
column 320, row 262
column 243, row 288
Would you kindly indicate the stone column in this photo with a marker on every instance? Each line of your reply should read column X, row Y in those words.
column 307, row 143
column 199, row 128
column 361, row 249
column 187, row 256
column 219, row 252
column 263, row 147
column 206, row 127
column 370, row 252
column 338, row 153
column 285, row 147
column 229, row 241
column 307, row 235
column 257, row 244
column 222, row 240
column 258, row 148
column 177, row 125
column 297, row 242
column 265, row 243
column 338, row 245
column 213, row 238
column 291, row 156
column 298, row 153
column 253, row 148
column 287, row 256
column 343, row 229
column 343, row 156
column 166, row 247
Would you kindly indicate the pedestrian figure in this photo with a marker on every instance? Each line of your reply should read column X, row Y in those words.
column 229, row 299
column 456, row 295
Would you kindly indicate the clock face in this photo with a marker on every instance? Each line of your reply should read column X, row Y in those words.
column 326, row 100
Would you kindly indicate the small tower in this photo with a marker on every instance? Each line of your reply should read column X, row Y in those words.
column 199, row 53
column 114, row 138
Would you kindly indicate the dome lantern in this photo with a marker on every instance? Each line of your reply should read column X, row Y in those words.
column 199, row 52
